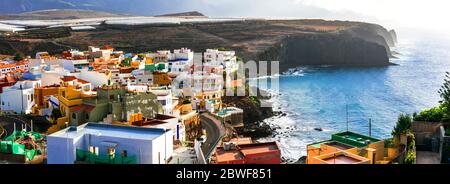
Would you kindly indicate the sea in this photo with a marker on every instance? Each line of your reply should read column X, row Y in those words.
column 319, row 101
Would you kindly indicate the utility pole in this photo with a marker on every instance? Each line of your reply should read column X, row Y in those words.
column 370, row 127
column 346, row 111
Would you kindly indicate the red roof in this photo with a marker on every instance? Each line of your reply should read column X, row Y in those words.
column 87, row 108
column 68, row 78
column 10, row 79
column 107, row 47
column 83, row 81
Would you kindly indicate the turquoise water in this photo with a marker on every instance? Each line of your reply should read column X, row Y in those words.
column 316, row 97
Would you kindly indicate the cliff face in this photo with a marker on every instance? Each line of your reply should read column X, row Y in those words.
column 331, row 49
column 292, row 42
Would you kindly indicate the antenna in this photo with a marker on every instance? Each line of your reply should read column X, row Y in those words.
column 346, row 111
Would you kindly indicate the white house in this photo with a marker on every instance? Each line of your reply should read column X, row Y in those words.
column 19, row 97
column 107, row 143
column 164, row 96
column 52, row 74
column 178, row 61
column 227, row 59
column 74, row 64
column 96, row 78
column 143, row 76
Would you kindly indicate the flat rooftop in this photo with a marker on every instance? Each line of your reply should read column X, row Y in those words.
column 258, row 148
column 110, row 131
column 245, row 149
column 228, row 155
column 342, row 159
column 354, row 139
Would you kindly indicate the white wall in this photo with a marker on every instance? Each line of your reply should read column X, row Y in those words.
column 165, row 150
column 94, row 77
column 61, row 150
column 18, row 100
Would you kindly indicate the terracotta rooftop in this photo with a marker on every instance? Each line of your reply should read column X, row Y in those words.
column 229, row 155
column 258, row 148
column 87, row 108
column 68, row 78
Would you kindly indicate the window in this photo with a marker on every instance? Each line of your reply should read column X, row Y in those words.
column 74, row 116
column 87, row 116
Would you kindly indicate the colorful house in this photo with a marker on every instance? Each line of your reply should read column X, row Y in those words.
column 95, row 143
column 252, row 153
column 347, row 147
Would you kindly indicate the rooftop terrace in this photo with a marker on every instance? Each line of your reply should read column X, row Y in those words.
column 353, row 139
column 109, row 130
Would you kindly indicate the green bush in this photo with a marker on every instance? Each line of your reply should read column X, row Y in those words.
column 389, row 143
column 411, row 154
column 447, row 132
column 437, row 114
column 403, row 125
column 255, row 100
column 410, row 157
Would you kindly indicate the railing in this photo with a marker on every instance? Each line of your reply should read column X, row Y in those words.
column 400, row 157
column 88, row 157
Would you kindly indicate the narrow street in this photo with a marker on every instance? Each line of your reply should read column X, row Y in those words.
column 214, row 133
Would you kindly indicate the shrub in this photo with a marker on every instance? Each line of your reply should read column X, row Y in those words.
column 403, row 125
column 18, row 57
column 389, row 143
column 255, row 100
column 411, row 153
column 410, row 157
column 437, row 114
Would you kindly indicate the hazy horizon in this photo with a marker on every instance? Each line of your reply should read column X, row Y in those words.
column 393, row 14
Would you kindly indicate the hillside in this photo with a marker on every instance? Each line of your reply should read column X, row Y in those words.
column 184, row 14
column 292, row 42
column 57, row 14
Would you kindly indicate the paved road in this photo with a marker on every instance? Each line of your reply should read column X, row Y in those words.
column 214, row 133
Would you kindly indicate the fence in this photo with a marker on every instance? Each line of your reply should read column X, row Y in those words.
column 88, row 157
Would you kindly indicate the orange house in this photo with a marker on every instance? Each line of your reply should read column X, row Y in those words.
column 161, row 79
column 42, row 92
column 254, row 153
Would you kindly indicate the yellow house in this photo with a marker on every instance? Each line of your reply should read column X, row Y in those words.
column 209, row 100
column 348, row 148
column 71, row 94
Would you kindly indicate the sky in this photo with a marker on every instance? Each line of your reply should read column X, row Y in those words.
column 423, row 14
